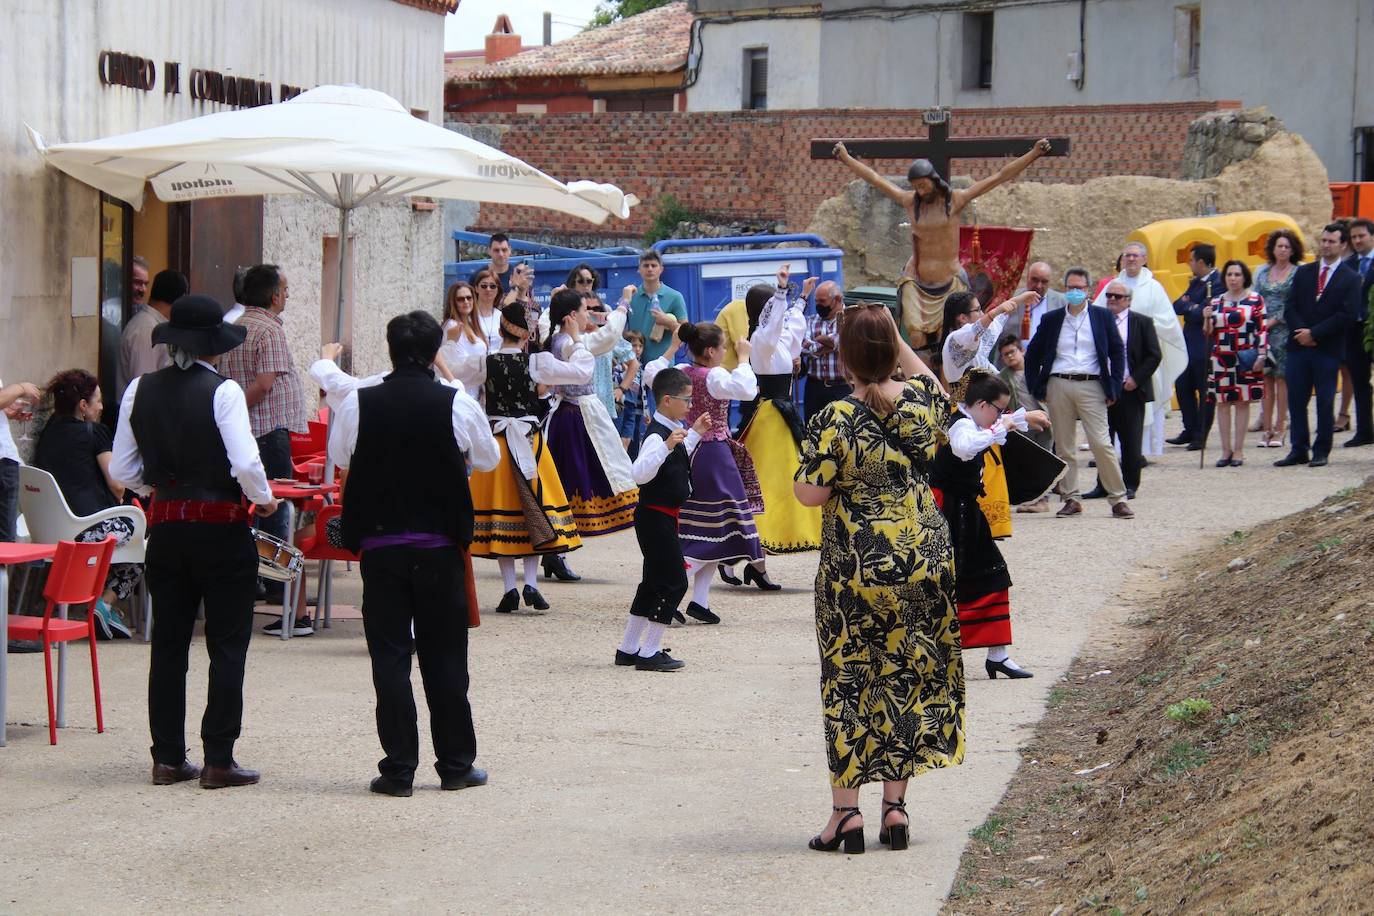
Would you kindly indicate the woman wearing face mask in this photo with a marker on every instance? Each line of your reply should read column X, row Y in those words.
column 981, row 579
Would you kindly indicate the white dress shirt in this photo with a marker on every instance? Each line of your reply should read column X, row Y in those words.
column 968, row 440
column 739, row 384
column 653, row 451
column 7, row 446
column 454, row 350
column 471, row 430
column 231, row 417
column 1123, row 327
column 491, row 326
column 1076, row 353
column 777, row 341
column 545, row 368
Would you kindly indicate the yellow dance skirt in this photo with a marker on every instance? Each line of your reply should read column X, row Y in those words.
column 994, row 502
column 499, row 528
column 785, row 525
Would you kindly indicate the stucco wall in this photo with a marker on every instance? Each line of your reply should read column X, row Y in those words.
column 1257, row 51
column 49, row 53
column 793, row 79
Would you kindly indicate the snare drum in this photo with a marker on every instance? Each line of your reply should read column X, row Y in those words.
column 277, row 560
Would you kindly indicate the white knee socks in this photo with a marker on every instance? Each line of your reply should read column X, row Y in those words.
column 531, row 572
column 998, row 654
column 701, row 584
column 634, row 630
column 507, row 573
column 653, row 639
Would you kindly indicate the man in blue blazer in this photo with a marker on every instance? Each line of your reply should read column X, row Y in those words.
column 1356, row 356
column 1323, row 305
column 1074, row 366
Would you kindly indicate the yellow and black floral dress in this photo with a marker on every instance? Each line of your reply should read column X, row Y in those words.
column 892, row 678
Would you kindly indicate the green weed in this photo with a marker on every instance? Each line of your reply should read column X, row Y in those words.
column 1326, row 545
column 993, row 833
column 1189, row 712
column 1182, row 757
column 1259, row 745
column 1235, row 537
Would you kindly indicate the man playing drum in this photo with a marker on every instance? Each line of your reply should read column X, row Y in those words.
column 183, row 434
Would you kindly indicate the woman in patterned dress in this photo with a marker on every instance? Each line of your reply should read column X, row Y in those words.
column 892, row 677
column 1235, row 323
column 1274, row 283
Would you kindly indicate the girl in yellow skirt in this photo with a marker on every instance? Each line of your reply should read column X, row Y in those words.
column 519, row 507
column 773, row 433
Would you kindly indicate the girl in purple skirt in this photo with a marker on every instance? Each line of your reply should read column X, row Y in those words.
column 716, row 524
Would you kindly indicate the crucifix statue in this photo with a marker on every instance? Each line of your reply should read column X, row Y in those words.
column 934, row 271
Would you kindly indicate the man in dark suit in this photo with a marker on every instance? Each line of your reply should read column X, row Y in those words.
column 1126, row 418
column 1075, row 366
column 1321, row 308
column 1356, row 356
column 1191, row 387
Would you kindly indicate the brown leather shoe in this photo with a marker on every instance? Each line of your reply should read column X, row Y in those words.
column 213, row 777
column 1121, row 510
column 1070, row 507
column 165, row 774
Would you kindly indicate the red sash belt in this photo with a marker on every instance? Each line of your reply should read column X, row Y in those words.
column 212, row 512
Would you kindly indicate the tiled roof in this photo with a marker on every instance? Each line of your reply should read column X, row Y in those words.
column 443, row 7
column 651, row 42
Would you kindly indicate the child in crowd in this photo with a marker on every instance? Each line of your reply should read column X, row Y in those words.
column 663, row 472
column 630, row 423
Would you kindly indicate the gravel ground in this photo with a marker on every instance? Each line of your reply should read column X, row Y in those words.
column 610, row 789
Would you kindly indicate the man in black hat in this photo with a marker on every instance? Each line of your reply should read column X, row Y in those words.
column 934, row 270
column 183, row 434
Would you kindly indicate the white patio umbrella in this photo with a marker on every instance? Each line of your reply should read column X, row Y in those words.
column 344, row 145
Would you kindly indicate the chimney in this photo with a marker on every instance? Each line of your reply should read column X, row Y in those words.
column 502, row 42
column 548, row 28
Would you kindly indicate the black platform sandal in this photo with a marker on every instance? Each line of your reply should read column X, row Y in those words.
column 853, row 840
column 895, row 836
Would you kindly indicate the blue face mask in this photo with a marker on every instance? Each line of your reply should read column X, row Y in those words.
column 1075, row 296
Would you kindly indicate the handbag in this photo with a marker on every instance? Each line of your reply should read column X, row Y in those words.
column 1246, row 359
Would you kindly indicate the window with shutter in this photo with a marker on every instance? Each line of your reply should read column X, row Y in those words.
column 756, row 78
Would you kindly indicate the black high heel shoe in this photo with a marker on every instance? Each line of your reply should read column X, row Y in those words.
column 993, row 668
column 1224, row 461
column 753, row 577
column 534, row 599
column 509, row 602
column 555, row 567
column 727, row 576
column 896, row 835
column 853, row 840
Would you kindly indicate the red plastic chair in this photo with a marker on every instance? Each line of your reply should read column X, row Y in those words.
column 310, row 444
column 315, row 546
column 77, row 577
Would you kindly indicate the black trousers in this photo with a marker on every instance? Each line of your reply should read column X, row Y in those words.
column 1191, row 390
column 819, row 394
column 9, row 496
column 187, row 563
column 664, row 581
column 1358, row 361
column 275, row 449
column 401, row 586
column 1126, row 421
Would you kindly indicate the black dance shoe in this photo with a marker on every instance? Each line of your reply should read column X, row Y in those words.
column 661, row 661
column 678, row 620
column 728, row 577
column 993, row 668
column 534, row 599
column 625, row 659
column 509, row 602
column 475, row 776
column 703, row 614
column 555, row 567
column 853, row 840
column 384, row 785
column 753, row 577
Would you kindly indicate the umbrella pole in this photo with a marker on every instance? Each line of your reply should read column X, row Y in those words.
column 344, row 213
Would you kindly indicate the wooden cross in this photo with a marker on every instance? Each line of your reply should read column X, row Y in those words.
column 937, row 145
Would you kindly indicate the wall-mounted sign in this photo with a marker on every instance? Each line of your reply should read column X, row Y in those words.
column 119, row 69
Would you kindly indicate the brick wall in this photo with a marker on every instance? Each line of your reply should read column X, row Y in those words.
column 756, row 164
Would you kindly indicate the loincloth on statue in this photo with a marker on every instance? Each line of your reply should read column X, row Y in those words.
column 923, row 307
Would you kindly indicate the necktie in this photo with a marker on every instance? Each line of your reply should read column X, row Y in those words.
column 1321, row 279
column 1364, row 265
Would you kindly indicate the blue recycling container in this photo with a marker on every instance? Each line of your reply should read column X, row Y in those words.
column 708, row 280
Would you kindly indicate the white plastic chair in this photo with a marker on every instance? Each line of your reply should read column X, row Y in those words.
column 50, row 520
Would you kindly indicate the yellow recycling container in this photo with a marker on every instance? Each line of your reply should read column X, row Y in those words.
column 1239, row 236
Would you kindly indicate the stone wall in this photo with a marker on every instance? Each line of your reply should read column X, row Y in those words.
column 1223, row 138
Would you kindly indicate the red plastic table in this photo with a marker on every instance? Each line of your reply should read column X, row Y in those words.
column 11, row 554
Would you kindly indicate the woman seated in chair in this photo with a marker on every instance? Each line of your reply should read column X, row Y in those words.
column 75, row 448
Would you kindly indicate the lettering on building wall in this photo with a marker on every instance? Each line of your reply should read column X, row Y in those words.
column 117, row 68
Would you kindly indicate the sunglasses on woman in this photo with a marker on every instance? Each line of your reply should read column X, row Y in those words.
column 581, row 280
column 487, row 286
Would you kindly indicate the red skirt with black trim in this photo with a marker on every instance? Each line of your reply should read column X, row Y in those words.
column 982, row 584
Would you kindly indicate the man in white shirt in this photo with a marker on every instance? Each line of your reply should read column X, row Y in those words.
column 183, row 432
column 1075, row 366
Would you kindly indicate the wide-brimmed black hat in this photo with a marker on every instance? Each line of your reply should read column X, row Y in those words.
column 197, row 326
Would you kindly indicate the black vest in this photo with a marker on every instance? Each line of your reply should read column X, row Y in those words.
column 407, row 473
column 953, row 475
column 174, row 425
column 672, row 484
column 510, row 390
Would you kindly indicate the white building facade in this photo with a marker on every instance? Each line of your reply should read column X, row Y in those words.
column 82, row 69
column 1305, row 61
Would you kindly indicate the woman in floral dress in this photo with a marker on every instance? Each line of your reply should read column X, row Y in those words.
column 1273, row 284
column 892, row 678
